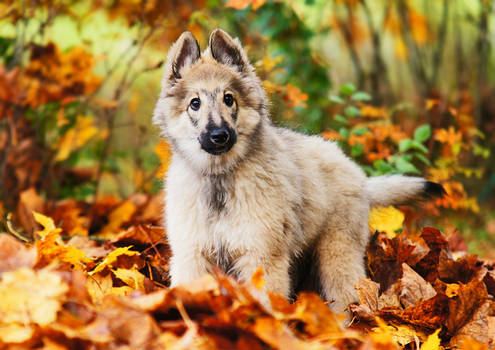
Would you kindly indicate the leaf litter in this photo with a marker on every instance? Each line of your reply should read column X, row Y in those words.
column 96, row 277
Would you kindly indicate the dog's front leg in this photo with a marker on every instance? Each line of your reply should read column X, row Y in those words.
column 275, row 266
column 186, row 266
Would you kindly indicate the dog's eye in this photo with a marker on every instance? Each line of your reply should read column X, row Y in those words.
column 228, row 99
column 195, row 104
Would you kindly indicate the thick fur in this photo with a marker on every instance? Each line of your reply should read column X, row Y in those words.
column 278, row 199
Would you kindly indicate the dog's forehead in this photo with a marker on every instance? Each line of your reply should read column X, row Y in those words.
column 209, row 76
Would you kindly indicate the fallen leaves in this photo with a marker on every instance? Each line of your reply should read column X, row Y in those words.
column 107, row 288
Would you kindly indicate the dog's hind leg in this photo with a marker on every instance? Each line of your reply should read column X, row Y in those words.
column 340, row 257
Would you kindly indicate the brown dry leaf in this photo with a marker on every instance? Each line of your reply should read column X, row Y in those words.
column 88, row 246
column 276, row 334
column 428, row 315
column 428, row 266
column 477, row 328
column 29, row 201
column 367, row 291
column 141, row 234
column 413, row 288
column 385, row 259
column 14, row 254
column 465, row 308
column 463, row 270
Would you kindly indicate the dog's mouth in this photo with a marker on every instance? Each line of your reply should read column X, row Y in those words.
column 218, row 141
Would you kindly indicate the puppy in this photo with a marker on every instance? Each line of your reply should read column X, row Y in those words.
column 242, row 193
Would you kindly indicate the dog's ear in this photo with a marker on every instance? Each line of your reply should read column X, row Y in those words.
column 228, row 51
column 182, row 56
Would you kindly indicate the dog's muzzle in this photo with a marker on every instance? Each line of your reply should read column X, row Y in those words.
column 218, row 140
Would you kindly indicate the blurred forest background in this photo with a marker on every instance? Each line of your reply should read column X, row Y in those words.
column 405, row 86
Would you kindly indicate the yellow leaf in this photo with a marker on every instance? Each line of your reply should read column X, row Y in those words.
column 132, row 277
column 47, row 223
column 257, row 278
column 381, row 336
column 387, row 220
column 31, row 296
column 98, row 286
column 76, row 137
column 433, row 342
column 51, row 247
column 452, row 290
column 400, row 49
column 122, row 291
column 163, row 152
column 112, row 257
column 15, row 333
column 117, row 217
column 242, row 4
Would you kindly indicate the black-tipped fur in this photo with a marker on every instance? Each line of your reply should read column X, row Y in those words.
column 433, row 190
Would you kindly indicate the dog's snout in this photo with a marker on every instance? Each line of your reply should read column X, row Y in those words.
column 220, row 136
column 217, row 139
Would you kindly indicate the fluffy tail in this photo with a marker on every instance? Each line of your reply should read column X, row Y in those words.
column 398, row 189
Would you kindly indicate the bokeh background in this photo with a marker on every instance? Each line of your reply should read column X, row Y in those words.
column 405, row 86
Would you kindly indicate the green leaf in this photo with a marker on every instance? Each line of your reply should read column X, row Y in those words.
column 383, row 167
column 419, row 146
column 404, row 166
column 337, row 99
column 347, row 89
column 340, row 118
column 344, row 133
column 357, row 150
column 405, row 145
column 360, row 131
column 361, row 96
column 422, row 158
column 352, row 111
column 422, row 133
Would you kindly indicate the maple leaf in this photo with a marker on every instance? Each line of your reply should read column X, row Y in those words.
column 111, row 258
column 51, row 247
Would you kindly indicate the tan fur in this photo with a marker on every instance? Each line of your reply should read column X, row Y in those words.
column 275, row 197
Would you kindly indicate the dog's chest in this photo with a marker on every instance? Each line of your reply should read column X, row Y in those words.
column 216, row 193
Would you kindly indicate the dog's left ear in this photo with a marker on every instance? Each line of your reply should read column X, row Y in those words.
column 228, row 51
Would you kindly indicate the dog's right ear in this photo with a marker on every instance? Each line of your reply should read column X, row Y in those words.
column 182, row 56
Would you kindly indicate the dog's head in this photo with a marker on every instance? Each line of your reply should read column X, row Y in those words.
column 211, row 104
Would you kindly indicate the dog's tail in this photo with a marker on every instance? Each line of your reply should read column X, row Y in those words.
column 398, row 189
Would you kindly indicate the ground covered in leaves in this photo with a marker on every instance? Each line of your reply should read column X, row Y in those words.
column 95, row 277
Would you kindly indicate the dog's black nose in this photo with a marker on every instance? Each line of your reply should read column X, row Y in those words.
column 219, row 136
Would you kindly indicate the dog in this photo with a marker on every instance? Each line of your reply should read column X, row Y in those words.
column 242, row 193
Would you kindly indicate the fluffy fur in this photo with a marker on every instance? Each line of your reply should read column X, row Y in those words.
column 291, row 203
